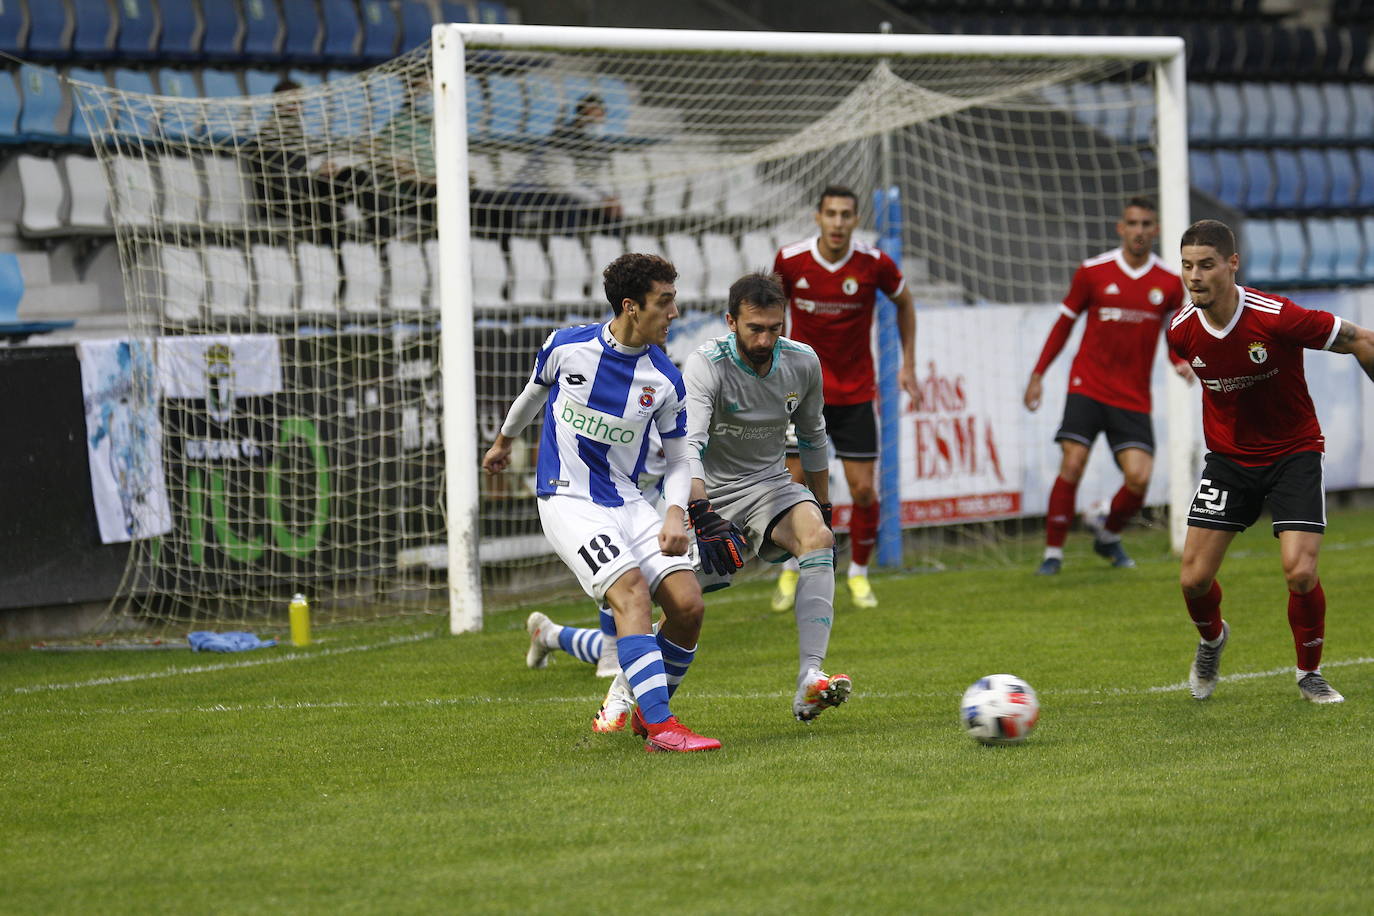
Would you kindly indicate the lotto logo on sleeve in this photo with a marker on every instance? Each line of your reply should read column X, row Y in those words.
column 596, row 425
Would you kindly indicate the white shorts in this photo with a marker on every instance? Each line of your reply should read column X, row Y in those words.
column 602, row 543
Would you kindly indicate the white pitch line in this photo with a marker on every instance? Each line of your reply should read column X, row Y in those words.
column 588, row 698
column 223, row 666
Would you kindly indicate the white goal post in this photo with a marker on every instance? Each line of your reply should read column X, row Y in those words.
column 1040, row 63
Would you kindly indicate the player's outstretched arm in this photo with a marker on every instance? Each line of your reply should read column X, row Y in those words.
column 906, row 327
column 1351, row 338
column 523, row 409
column 1034, row 391
column 497, row 458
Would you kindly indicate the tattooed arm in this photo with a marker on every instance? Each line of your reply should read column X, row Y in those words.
column 1351, row 338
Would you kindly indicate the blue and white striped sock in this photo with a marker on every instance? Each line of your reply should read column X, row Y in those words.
column 676, row 660
column 607, row 623
column 642, row 662
column 582, row 644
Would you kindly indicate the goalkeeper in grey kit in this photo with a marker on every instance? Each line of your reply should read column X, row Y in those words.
column 742, row 390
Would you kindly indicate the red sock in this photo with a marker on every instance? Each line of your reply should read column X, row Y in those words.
column 1307, row 620
column 1125, row 504
column 863, row 531
column 1062, row 496
column 1206, row 612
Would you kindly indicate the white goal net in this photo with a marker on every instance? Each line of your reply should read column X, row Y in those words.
column 285, row 253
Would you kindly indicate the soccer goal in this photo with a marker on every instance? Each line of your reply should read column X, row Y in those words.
column 401, row 241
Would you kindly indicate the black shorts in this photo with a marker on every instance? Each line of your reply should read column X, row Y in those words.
column 1230, row 496
column 853, row 431
column 1085, row 417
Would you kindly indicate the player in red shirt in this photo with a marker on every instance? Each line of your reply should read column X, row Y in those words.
column 1127, row 295
column 832, row 284
column 1263, row 440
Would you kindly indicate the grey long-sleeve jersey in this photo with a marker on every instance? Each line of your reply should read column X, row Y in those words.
column 737, row 420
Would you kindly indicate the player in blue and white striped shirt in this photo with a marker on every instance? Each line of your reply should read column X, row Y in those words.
column 600, row 387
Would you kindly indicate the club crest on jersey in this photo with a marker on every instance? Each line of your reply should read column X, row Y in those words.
column 792, row 400
column 850, row 286
column 646, row 398
column 1156, row 295
column 1257, row 352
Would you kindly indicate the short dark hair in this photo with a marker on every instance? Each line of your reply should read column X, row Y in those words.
column 837, row 190
column 1213, row 233
column 1142, row 202
column 759, row 289
column 632, row 276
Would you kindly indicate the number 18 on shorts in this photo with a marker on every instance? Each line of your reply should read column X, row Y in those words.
column 601, row 543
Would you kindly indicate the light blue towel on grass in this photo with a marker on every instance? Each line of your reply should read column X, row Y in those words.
column 237, row 641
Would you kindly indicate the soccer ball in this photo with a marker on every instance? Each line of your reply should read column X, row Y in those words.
column 1000, row 709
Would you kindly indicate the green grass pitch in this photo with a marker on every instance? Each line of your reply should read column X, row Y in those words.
column 397, row 769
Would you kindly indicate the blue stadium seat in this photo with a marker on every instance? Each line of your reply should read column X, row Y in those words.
column 178, row 121
column 1291, row 244
column 342, row 32
column 1361, row 112
column 262, row 36
column 41, row 117
column 181, row 29
column 1342, row 168
column 456, row 11
column 1316, row 178
column 302, row 33
column 490, row 11
column 476, row 100
column 94, row 36
column 1259, row 180
column 1283, row 112
column 1202, row 172
column 50, row 30
column 1337, row 103
column 1367, row 230
column 1349, row 250
column 616, row 94
column 1202, row 113
column 1364, row 170
column 1229, row 127
column 1259, row 251
column 137, row 30
column 1321, row 258
column 380, row 30
column 1312, row 122
column 1257, row 123
column 260, row 82
column 13, row 29
column 10, row 106
column 544, row 97
column 417, row 20
column 136, row 116
column 506, row 97
column 224, row 30
column 79, row 128
column 1287, row 179
column 1230, row 178
column 1116, row 111
column 221, row 84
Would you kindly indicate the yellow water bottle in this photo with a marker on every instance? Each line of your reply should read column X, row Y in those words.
column 300, row 620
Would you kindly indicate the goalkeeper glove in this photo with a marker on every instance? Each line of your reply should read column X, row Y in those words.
column 721, row 544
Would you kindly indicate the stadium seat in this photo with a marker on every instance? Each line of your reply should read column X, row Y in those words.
column 619, row 100
column 342, row 32
column 1085, row 101
column 88, row 209
column 260, row 82
column 381, row 32
column 641, row 242
column 1349, row 250
column 229, row 281
column 506, row 96
column 1290, row 243
column 1312, row 123
column 1362, row 112
column 1338, row 111
column 456, row 11
column 684, row 251
column 93, row 37
column 489, row 271
column 11, row 104
column 1367, row 230
column 319, row 268
column 13, row 29
column 1258, row 253
column 41, row 197
column 135, row 114
column 274, row 279
column 43, row 117
column 363, row 276
column 137, row 35
column 707, row 186
column 630, row 172
column 604, row 250
column 1257, row 123
column 529, row 272
column 544, row 104
column 224, row 190
column 409, row 277
column 758, row 249
column 221, row 84
column 1287, row 179
column 50, row 30
column 1316, row 178
column 572, row 271
column 224, row 31
column 1230, row 178
column 1342, row 169
column 183, row 28
column 724, row 265
column 417, row 21
column 262, row 30
column 492, row 12
column 668, row 193
column 1364, row 172
column 1321, row 258
column 183, row 282
column 303, row 32
column 1259, row 180
column 181, row 193
column 1230, row 108
column 1284, row 116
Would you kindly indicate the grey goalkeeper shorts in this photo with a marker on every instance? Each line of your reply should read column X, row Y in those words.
column 757, row 507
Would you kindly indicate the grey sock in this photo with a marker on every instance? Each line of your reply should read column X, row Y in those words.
column 815, row 607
